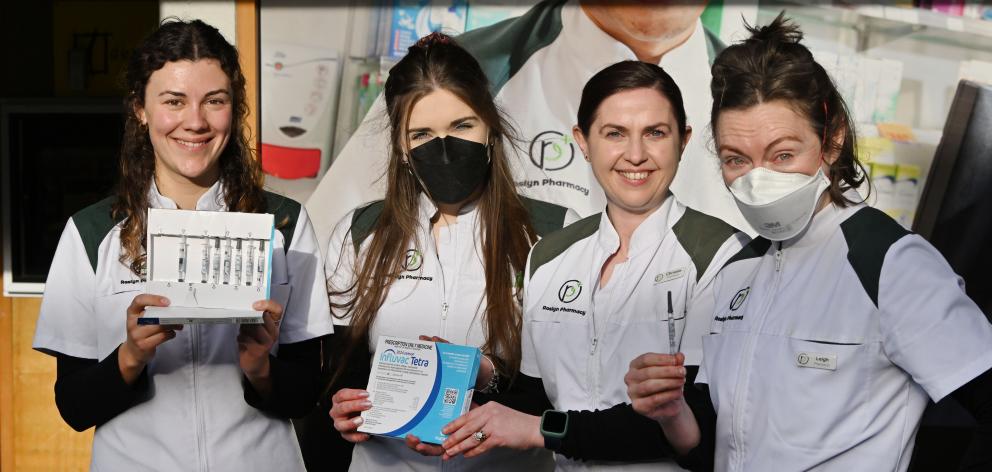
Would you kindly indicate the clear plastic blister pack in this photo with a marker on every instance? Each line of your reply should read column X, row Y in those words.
column 211, row 265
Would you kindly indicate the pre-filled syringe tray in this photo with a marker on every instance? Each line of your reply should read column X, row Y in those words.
column 212, row 266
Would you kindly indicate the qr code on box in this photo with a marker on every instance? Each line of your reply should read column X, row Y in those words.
column 450, row 396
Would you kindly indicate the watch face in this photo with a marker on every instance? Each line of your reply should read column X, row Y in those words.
column 554, row 421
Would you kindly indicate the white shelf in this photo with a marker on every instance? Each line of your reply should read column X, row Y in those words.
column 888, row 19
column 926, row 18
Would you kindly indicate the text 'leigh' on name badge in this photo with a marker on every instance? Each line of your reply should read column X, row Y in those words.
column 816, row 361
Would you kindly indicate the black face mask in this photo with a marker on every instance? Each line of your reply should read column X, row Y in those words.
column 451, row 168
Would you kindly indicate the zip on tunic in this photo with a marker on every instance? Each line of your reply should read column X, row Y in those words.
column 198, row 427
column 748, row 357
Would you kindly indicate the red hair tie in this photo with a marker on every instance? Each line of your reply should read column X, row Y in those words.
column 432, row 39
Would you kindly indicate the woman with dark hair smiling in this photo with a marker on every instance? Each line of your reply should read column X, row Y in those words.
column 197, row 397
column 609, row 287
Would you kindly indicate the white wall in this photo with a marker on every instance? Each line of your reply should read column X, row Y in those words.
column 218, row 13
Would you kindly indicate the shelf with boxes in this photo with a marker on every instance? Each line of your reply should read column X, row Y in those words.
column 957, row 22
column 897, row 67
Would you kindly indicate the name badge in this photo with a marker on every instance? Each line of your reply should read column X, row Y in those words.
column 817, row 361
column 669, row 276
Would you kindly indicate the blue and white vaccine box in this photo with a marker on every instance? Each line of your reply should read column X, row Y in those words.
column 417, row 387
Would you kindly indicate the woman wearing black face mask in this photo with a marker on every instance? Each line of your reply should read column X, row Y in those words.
column 440, row 257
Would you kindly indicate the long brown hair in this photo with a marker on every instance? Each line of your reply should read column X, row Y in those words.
column 773, row 65
column 240, row 173
column 436, row 62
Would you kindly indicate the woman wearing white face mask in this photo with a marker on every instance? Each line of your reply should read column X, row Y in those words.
column 834, row 328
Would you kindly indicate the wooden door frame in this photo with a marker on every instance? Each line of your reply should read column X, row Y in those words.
column 246, row 21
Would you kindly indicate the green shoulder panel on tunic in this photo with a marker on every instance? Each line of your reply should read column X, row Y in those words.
column 701, row 236
column 554, row 244
column 93, row 224
column 545, row 217
column 869, row 234
column 287, row 213
column 363, row 222
column 756, row 248
column 503, row 48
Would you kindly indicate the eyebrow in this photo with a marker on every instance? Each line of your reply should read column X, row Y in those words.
column 181, row 94
column 660, row 124
column 453, row 123
column 769, row 146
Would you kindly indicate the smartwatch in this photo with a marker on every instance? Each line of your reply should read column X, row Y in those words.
column 554, row 426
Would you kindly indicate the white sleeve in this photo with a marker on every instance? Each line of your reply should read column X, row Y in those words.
column 528, row 353
column 930, row 328
column 356, row 175
column 706, row 301
column 339, row 267
column 701, row 376
column 307, row 315
column 66, row 324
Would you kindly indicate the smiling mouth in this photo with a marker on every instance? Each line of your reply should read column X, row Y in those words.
column 192, row 145
column 635, row 176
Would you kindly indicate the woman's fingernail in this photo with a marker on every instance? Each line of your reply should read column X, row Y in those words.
column 358, row 421
column 164, row 301
column 682, row 371
column 366, row 404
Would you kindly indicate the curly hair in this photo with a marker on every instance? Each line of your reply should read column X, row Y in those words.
column 241, row 174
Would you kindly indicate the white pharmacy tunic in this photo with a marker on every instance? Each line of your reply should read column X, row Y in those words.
column 579, row 338
column 825, row 348
column 441, row 292
column 195, row 417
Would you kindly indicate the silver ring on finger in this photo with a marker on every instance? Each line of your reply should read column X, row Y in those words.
column 480, row 436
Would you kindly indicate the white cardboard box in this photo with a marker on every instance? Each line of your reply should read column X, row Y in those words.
column 211, row 265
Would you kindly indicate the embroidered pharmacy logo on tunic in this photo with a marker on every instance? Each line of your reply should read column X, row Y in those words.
column 739, row 298
column 735, row 303
column 413, row 260
column 569, row 291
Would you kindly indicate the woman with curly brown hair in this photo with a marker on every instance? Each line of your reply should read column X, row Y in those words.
column 199, row 397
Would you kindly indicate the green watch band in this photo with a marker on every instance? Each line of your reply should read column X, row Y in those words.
column 554, row 427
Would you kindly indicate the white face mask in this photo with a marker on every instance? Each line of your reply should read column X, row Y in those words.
column 778, row 205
